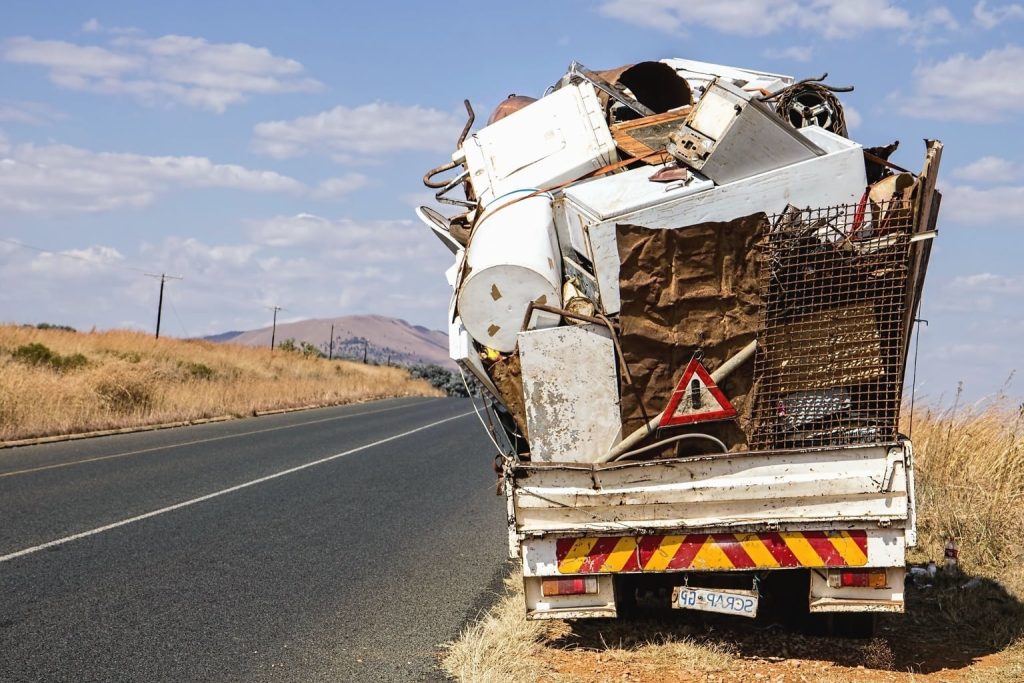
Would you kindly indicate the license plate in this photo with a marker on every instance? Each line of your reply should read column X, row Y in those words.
column 738, row 602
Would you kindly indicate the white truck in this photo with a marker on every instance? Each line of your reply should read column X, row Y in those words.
column 686, row 298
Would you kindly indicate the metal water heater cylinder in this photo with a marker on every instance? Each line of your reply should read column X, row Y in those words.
column 512, row 260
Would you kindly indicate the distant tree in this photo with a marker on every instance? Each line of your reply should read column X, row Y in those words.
column 309, row 350
column 439, row 378
column 51, row 326
column 303, row 347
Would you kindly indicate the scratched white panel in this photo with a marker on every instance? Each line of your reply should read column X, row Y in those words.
column 571, row 392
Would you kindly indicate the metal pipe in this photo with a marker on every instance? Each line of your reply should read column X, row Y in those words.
column 677, row 437
column 534, row 306
column 428, row 177
column 639, row 435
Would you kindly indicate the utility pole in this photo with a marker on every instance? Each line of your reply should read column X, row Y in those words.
column 273, row 329
column 160, row 303
column 330, row 352
column 366, row 347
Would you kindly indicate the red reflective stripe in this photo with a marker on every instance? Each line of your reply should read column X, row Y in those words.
column 688, row 549
column 734, row 551
column 779, row 550
column 648, row 545
column 826, row 551
column 597, row 556
column 562, row 547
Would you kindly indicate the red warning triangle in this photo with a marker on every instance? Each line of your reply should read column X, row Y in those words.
column 696, row 399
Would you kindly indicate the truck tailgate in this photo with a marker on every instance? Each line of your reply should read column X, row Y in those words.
column 843, row 488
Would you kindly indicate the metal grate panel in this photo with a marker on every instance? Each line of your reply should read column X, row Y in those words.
column 830, row 359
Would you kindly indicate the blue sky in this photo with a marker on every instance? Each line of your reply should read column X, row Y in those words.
column 270, row 153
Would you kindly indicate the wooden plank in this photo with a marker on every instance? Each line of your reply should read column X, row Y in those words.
column 643, row 137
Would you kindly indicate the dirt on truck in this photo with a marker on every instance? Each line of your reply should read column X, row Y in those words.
column 686, row 297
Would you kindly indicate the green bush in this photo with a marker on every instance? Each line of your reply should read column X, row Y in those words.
column 41, row 355
column 34, row 354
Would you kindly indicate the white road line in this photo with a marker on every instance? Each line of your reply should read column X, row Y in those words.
column 215, row 494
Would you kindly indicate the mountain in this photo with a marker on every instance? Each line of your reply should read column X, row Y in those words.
column 224, row 336
column 382, row 338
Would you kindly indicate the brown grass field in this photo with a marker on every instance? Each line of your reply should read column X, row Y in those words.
column 970, row 484
column 80, row 382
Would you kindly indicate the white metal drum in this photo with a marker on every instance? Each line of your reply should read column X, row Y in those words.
column 512, row 260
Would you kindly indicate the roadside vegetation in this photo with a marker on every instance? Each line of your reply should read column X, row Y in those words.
column 54, row 380
column 970, row 485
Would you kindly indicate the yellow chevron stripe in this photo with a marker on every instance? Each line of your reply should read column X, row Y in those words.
column 620, row 554
column 710, row 556
column 576, row 556
column 666, row 550
column 802, row 549
column 848, row 548
column 755, row 547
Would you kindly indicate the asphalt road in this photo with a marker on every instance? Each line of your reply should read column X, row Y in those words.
column 244, row 551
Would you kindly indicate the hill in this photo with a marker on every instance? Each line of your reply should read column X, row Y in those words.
column 62, row 382
column 383, row 339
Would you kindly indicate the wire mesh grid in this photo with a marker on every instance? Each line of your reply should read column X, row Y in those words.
column 830, row 360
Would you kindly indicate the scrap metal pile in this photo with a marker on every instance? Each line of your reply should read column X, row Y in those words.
column 676, row 258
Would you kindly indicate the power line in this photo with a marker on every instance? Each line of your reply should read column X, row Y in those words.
column 75, row 257
column 180, row 322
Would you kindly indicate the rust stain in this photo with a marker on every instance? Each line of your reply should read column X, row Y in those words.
column 493, row 330
column 495, row 292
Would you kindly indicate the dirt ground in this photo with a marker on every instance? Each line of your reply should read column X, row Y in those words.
column 949, row 633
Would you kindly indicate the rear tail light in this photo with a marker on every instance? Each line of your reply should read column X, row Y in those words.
column 857, row 578
column 582, row 585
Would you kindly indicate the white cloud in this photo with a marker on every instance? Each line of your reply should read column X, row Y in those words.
column 991, row 169
column 367, row 130
column 853, row 117
column 828, row 18
column 796, row 53
column 179, row 69
column 1002, row 205
column 335, row 188
column 30, row 113
column 65, row 179
column 78, row 262
column 367, row 241
column 988, row 282
column 991, row 17
column 986, row 88
column 91, row 26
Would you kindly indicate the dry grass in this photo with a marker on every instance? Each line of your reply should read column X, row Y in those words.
column 125, row 379
column 502, row 646
column 970, row 484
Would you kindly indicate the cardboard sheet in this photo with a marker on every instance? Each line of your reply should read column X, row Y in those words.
column 683, row 290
